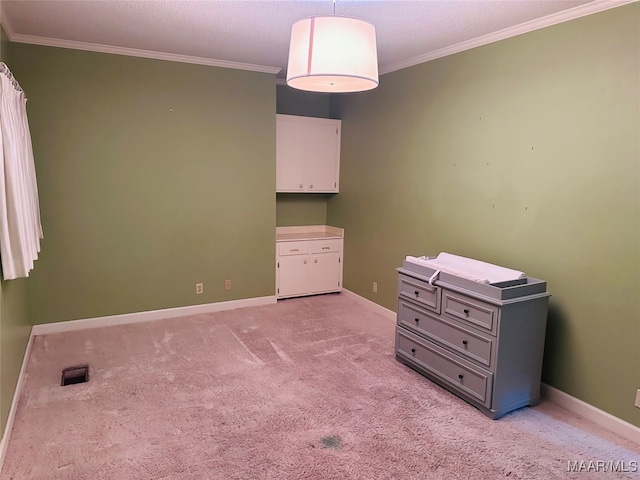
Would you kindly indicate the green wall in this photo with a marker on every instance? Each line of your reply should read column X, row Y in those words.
column 302, row 208
column 153, row 176
column 15, row 329
column 15, row 326
column 290, row 101
column 524, row 153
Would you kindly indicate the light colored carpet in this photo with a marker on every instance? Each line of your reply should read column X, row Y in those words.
column 305, row 389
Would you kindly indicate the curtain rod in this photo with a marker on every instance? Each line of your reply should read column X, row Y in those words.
column 4, row 69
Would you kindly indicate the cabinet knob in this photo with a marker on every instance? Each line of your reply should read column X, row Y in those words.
column 311, row 187
column 301, row 186
column 460, row 376
column 413, row 350
column 417, row 293
column 464, row 342
column 305, row 262
column 416, row 320
column 315, row 261
column 466, row 311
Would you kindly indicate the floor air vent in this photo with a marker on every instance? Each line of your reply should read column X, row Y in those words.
column 73, row 375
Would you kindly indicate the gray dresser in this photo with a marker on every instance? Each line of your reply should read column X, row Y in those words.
column 482, row 342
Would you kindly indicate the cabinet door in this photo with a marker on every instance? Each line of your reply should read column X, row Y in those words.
column 325, row 272
column 291, row 151
column 293, row 275
column 323, row 156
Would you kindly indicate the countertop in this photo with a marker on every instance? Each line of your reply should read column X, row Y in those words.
column 307, row 232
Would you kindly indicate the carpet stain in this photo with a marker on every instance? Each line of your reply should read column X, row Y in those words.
column 331, row 441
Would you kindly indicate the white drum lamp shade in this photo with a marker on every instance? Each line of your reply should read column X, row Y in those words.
column 333, row 54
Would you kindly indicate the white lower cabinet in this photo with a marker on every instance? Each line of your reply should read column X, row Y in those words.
column 308, row 267
column 293, row 275
column 325, row 272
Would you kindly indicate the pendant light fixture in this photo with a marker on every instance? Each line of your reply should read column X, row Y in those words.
column 333, row 54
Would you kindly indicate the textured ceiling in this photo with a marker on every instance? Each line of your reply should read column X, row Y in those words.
column 257, row 32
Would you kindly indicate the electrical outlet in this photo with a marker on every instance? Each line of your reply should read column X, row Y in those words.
column 227, row 284
column 199, row 288
column 637, row 404
column 375, row 287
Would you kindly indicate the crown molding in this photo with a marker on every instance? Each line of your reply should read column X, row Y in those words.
column 134, row 52
column 553, row 19
column 4, row 21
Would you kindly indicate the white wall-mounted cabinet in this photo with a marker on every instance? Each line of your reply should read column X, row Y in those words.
column 308, row 260
column 307, row 154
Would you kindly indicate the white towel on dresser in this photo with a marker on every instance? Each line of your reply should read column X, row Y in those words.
column 469, row 268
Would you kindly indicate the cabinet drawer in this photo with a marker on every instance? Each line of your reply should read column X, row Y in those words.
column 469, row 344
column 461, row 375
column 293, row 248
column 471, row 310
column 424, row 294
column 326, row 246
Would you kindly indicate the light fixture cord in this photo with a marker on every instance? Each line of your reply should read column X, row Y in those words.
column 334, row 7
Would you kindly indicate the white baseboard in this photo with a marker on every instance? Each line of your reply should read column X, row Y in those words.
column 365, row 302
column 604, row 419
column 149, row 316
column 4, row 443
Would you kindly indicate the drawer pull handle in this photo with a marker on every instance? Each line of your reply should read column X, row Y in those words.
column 416, row 320
column 464, row 342
column 466, row 311
column 413, row 350
column 417, row 293
column 326, row 248
column 294, row 250
column 460, row 376
column 305, row 262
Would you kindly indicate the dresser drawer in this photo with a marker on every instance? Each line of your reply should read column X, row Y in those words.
column 472, row 345
column 420, row 292
column 471, row 310
column 293, row 248
column 461, row 375
column 326, row 246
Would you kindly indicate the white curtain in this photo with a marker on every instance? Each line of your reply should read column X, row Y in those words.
column 20, row 228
